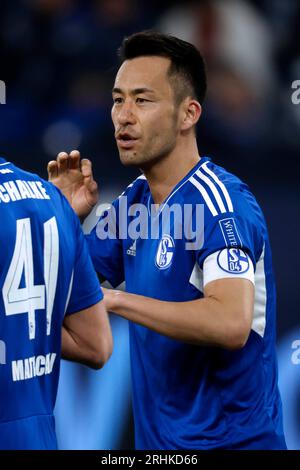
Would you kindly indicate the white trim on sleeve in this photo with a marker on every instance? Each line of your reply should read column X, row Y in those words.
column 228, row 263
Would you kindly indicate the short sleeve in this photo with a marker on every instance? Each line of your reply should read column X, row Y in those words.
column 85, row 287
column 105, row 247
column 228, row 263
column 229, row 230
column 233, row 241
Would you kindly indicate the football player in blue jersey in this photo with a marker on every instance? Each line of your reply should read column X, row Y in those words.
column 50, row 304
column 202, row 315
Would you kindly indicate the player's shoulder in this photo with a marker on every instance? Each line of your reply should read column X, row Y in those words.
column 12, row 173
column 20, row 173
column 60, row 204
column 220, row 191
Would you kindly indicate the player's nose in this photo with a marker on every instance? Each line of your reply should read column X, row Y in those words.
column 126, row 114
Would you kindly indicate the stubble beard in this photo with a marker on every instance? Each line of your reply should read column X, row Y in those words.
column 147, row 157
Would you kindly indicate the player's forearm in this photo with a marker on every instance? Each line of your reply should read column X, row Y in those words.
column 202, row 321
column 69, row 349
column 73, row 350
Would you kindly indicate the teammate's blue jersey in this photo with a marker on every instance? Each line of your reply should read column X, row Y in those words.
column 187, row 396
column 45, row 273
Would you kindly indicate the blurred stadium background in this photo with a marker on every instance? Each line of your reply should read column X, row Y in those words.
column 58, row 60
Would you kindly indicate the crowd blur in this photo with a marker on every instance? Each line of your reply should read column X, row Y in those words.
column 58, row 61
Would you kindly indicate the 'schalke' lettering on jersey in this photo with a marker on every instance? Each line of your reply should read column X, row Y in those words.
column 12, row 191
column 35, row 366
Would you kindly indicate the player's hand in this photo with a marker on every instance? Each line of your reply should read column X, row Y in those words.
column 74, row 177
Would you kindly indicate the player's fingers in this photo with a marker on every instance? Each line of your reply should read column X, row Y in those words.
column 92, row 187
column 52, row 169
column 61, row 154
column 74, row 160
column 62, row 162
column 90, row 183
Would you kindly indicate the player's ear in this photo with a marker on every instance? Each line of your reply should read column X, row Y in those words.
column 191, row 112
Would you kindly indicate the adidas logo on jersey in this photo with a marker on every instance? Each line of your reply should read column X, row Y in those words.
column 132, row 249
column 6, row 171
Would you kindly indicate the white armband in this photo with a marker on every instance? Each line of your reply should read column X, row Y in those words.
column 228, row 263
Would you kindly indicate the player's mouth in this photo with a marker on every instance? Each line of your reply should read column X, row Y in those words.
column 126, row 140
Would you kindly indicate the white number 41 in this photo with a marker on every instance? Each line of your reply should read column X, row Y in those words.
column 32, row 297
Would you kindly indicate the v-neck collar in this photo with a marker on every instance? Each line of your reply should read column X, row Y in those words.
column 177, row 187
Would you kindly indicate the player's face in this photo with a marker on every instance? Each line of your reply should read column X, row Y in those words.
column 144, row 111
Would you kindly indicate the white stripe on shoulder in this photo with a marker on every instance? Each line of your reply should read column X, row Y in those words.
column 174, row 192
column 6, row 163
column 220, row 184
column 213, row 188
column 205, row 195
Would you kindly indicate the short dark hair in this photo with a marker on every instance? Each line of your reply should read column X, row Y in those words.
column 187, row 65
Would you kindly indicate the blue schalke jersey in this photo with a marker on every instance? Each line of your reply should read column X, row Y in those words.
column 188, row 396
column 45, row 272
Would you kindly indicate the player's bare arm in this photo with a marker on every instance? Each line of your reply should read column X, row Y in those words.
column 74, row 177
column 222, row 318
column 87, row 338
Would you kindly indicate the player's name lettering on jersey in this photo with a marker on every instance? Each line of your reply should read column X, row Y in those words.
column 12, row 191
column 34, row 366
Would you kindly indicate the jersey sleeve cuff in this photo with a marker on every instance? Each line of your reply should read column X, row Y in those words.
column 85, row 302
column 228, row 263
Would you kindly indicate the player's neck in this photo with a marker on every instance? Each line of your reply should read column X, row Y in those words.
column 166, row 173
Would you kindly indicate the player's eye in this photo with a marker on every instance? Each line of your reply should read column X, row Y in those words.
column 141, row 100
column 117, row 100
